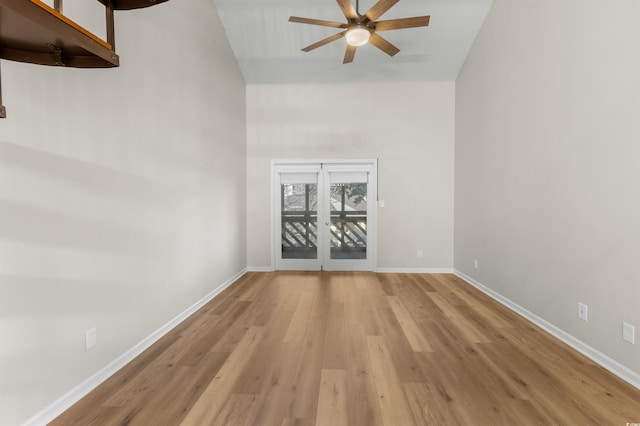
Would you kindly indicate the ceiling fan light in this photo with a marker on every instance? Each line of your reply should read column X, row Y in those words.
column 357, row 36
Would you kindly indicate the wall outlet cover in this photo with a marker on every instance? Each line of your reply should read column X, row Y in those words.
column 628, row 333
column 90, row 338
column 582, row 311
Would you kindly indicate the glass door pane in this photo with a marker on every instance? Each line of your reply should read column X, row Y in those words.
column 299, row 216
column 348, row 231
column 348, row 211
column 296, row 238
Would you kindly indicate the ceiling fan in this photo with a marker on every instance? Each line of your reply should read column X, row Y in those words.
column 361, row 29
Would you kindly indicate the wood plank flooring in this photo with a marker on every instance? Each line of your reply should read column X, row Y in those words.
column 357, row 348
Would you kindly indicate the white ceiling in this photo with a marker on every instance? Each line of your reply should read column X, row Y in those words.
column 267, row 46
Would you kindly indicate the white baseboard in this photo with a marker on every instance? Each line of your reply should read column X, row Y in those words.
column 74, row 395
column 415, row 270
column 603, row 360
column 260, row 269
column 381, row 270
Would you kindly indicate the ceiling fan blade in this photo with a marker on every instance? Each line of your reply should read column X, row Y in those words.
column 378, row 9
column 397, row 24
column 349, row 11
column 383, row 44
column 317, row 22
column 349, row 54
column 324, row 41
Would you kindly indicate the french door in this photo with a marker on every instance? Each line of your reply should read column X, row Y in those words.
column 324, row 215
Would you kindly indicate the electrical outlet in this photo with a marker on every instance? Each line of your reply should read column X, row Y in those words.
column 419, row 253
column 90, row 338
column 582, row 311
column 628, row 333
column 475, row 263
column 381, row 203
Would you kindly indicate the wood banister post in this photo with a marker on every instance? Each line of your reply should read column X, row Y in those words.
column 3, row 110
column 57, row 5
column 111, row 32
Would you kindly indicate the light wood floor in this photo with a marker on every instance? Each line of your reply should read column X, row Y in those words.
column 357, row 349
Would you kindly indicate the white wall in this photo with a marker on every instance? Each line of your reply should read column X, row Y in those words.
column 122, row 198
column 409, row 127
column 547, row 172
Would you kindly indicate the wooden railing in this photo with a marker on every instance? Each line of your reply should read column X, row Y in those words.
column 348, row 231
column 300, row 229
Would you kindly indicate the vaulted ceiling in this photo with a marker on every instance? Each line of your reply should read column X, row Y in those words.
column 267, row 46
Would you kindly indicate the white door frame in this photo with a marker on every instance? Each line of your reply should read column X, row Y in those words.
column 307, row 165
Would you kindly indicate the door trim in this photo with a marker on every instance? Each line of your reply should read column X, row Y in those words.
column 372, row 240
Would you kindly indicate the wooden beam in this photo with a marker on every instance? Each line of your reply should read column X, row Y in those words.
column 33, row 32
